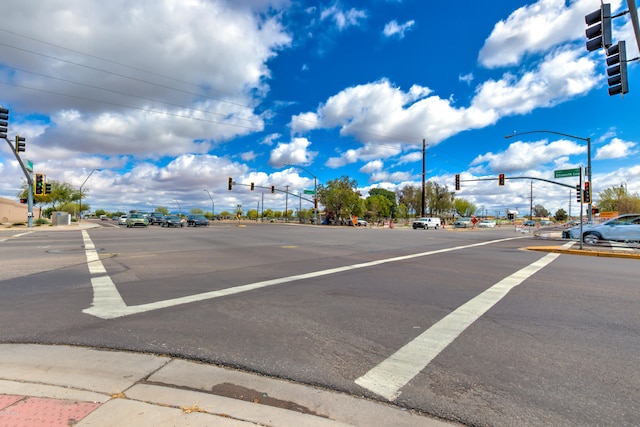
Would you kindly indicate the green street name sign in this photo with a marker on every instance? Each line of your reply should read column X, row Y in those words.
column 565, row 173
column 309, row 192
column 29, row 166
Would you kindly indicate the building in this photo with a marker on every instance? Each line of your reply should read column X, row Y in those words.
column 12, row 212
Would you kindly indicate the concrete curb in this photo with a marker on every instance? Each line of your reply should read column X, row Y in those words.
column 598, row 253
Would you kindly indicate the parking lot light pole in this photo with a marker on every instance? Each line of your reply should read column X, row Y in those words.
column 82, row 185
column 213, row 206
column 588, row 141
column 179, row 208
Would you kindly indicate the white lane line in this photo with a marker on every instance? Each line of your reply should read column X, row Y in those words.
column 15, row 235
column 105, row 305
column 387, row 378
column 105, row 293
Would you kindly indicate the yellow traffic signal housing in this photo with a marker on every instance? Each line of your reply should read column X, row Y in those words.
column 39, row 188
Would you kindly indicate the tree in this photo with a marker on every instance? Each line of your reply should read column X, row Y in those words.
column 196, row 211
column 390, row 196
column 617, row 199
column 561, row 215
column 464, row 207
column 162, row 209
column 411, row 197
column 438, row 198
column 60, row 198
column 340, row 198
column 539, row 211
column 378, row 206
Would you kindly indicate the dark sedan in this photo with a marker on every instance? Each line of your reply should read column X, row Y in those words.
column 172, row 221
column 196, row 220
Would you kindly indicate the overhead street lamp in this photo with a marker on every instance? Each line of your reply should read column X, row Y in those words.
column 213, row 206
column 179, row 208
column 315, row 189
column 588, row 140
column 82, row 185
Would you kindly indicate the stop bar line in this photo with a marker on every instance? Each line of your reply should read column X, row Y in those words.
column 388, row 377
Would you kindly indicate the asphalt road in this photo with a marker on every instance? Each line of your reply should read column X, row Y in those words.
column 464, row 325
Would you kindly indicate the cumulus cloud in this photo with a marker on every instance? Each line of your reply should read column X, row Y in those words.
column 392, row 28
column 520, row 156
column 536, row 28
column 295, row 152
column 616, row 149
column 372, row 166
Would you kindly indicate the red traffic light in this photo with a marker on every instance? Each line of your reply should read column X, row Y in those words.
column 501, row 179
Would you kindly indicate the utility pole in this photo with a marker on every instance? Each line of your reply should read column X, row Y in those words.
column 286, row 204
column 424, row 164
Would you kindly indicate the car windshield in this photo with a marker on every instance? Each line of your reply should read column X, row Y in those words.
column 136, row 216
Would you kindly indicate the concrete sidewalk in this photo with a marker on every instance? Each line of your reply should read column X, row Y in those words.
column 44, row 385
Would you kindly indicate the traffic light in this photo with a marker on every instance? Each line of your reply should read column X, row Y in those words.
column 23, row 200
column 230, row 183
column 20, row 144
column 252, row 186
column 4, row 118
column 38, row 190
column 315, row 203
column 617, row 69
column 501, row 179
column 578, row 193
column 273, row 189
column 47, row 189
column 457, row 182
column 587, row 192
column 598, row 28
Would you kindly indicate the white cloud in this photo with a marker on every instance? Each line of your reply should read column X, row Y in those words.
column 467, row 78
column 296, row 152
column 365, row 153
column 522, row 156
column 394, row 29
column 372, row 166
column 342, row 18
column 536, row 28
column 616, row 149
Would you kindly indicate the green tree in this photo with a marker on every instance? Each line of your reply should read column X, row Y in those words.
column 162, row 209
column 196, row 211
column 403, row 211
column 411, row 197
column 378, row 206
column 464, row 207
column 561, row 215
column 439, row 199
column 252, row 214
column 340, row 198
column 617, row 199
column 390, row 196
column 539, row 211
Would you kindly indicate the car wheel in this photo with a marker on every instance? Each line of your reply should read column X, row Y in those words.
column 592, row 238
column 436, row 227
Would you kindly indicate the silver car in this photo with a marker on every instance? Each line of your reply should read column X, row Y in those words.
column 625, row 228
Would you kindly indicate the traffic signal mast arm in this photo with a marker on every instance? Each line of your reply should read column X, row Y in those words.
column 277, row 189
column 521, row 177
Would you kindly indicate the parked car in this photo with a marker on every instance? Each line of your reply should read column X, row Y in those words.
column 462, row 223
column 122, row 220
column 172, row 221
column 546, row 222
column 137, row 219
column 155, row 218
column 426, row 223
column 104, row 218
column 625, row 228
column 196, row 220
column 529, row 223
column 486, row 223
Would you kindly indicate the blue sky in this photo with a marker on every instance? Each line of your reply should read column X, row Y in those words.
column 170, row 98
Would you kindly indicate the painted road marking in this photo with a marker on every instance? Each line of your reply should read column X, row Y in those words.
column 395, row 372
column 108, row 304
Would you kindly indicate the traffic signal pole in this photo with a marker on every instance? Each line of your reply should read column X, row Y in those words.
column 30, row 183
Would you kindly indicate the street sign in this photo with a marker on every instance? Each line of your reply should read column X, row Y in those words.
column 29, row 165
column 566, row 173
column 309, row 192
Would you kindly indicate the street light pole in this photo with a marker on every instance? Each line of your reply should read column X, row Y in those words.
column 315, row 188
column 82, row 185
column 213, row 206
column 179, row 208
column 588, row 140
